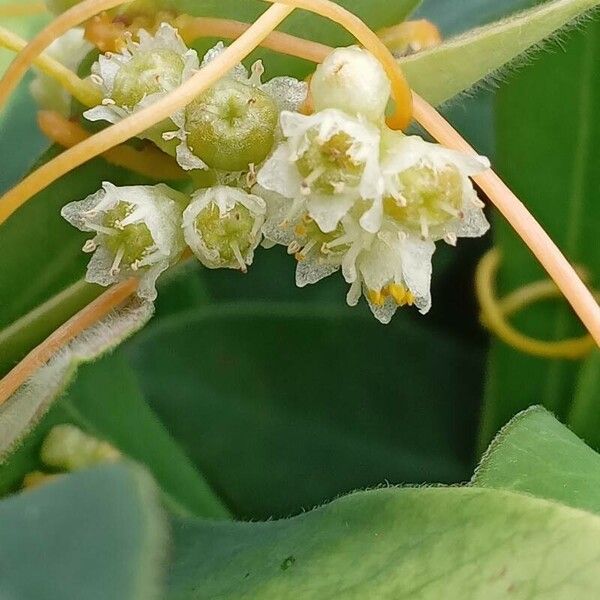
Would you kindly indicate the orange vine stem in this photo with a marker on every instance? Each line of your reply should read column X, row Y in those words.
column 91, row 314
column 149, row 161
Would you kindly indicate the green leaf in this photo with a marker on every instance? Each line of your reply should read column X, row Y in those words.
column 98, row 534
column 458, row 64
column 105, row 401
column 584, row 417
column 538, row 455
column 549, row 157
column 397, row 543
column 285, row 406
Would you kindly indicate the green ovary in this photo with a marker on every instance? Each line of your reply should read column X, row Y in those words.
column 136, row 238
column 231, row 126
column 433, row 196
column 147, row 73
column 220, row 232
column 331, row 160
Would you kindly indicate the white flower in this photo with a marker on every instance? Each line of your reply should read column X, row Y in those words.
column 331, row 161
column 142, row 73
column 391, row 267
column 222, row 226
column 138, row 233
column 234, row 123
column 70, row 49
column 428, row 189
column 352, row 80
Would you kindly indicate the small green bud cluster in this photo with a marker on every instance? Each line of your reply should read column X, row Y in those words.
column 68, row 448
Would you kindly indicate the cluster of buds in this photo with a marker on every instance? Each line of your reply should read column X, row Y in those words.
column 337, row 187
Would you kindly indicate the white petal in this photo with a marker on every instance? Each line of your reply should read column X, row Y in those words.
column 279, row 174
column 311, row 271
column 327, row 210
column 289, row 93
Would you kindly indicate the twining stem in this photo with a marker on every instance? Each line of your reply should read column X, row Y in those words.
column 510, row 206
column 400, row 88
column 77, row 324
column 146, row 118
column 522, row 221
column 149, row 161
column 67, row 20
column 24, row 333
column 192, row 28
column 23, row 9
column 494, row 315
column 84, row 91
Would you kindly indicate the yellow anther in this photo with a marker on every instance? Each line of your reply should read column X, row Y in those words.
column 376, row 297
column 398, row 293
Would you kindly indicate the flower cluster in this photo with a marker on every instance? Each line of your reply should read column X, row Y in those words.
column 337, row 187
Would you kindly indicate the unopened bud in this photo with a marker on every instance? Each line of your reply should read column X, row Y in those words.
column 352, row 80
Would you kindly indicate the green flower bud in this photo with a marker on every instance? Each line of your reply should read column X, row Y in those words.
column 352, row 80
column 222, row 226
column 231, row 126
column 68, row 448
column 146, row 74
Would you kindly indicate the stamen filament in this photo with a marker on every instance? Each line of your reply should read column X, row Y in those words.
column 146, row 118
column 149, row 161
column 494, row 318
column 90, row 315
column 400, row 88
column 84, row 91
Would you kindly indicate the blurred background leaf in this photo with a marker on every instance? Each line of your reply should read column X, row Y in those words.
column 283, row 407
column 546, row 128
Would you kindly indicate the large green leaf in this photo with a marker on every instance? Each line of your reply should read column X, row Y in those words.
column 458, row 64
column 96, row 535
column 536, row 454
column 285, row 406
column 106, row 402
column 397, row 543
column 550, row 159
